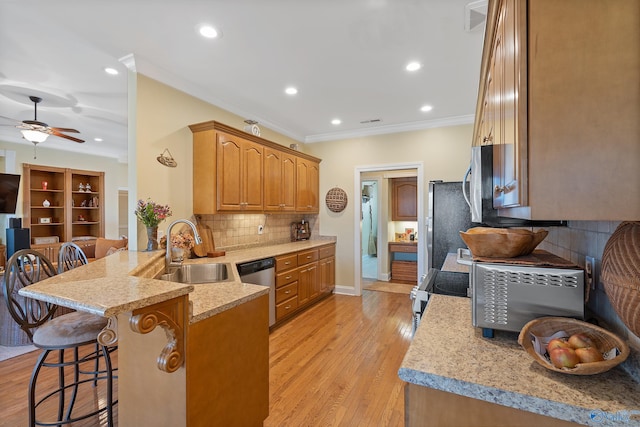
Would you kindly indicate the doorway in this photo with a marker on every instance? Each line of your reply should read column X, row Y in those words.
column 381, row 176
column 123, row 212
column 369, row 230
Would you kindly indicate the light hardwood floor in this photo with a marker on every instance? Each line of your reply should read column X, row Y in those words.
column 336, row 364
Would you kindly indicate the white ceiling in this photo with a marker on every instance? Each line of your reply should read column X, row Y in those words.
column 346, row 57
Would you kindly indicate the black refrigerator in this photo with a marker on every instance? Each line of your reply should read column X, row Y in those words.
column 448, row 215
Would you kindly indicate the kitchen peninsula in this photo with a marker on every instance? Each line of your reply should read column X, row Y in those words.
column 188, row 355
column 450, row 366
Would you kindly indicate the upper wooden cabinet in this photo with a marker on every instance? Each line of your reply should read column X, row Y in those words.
column 404, row 199
column 279, row 181
column 61, row 205
column 562, row 116
column 307, row 180
column 239, row 174
column 234, row 171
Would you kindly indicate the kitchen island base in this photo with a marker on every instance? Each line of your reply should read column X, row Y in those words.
column 429, row 407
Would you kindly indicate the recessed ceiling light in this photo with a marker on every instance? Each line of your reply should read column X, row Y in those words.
column 426, row 108
column 111, row 71
column 413, row 66
column 98, row 139
column 209, row 32
column 336, row 122
column 291, row 90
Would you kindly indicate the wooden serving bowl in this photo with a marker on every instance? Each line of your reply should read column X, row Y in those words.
column 502, row 242
column 603, row 339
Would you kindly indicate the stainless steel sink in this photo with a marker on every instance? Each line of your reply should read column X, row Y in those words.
column 199, row 273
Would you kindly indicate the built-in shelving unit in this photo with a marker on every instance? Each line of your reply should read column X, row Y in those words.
column 62, row 205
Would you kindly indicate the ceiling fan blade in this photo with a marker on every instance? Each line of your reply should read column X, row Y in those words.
column 61, row 135
column 64, row 130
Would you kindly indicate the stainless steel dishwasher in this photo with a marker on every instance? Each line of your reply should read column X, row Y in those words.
column 261, row 272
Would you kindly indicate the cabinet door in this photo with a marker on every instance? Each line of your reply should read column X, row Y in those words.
column 405, row 199
column 327, row 274
column 239, row 176
column 279, row 181
column 307, row 185
column 308, row 283
column 509, row 156
column 251, row 176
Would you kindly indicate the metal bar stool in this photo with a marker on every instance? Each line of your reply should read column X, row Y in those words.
column 70, row 256
column 49, row 333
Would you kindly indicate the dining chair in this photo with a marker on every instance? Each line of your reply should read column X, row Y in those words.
column 62, row 333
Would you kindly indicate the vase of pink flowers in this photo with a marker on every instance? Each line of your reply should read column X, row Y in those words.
column 151, row 214
column 181, row 245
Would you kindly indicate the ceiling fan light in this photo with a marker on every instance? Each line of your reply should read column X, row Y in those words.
column 34, row 135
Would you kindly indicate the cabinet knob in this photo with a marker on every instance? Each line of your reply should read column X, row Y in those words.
column 287, row 307
column 288, row 277
column 287, row 291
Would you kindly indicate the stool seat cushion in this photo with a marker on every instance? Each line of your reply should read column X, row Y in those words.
column 69, row 330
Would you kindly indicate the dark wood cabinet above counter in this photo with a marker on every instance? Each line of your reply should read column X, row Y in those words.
column 234, row 171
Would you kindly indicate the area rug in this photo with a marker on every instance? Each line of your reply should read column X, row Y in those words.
column 397, row 288
column 9, row 352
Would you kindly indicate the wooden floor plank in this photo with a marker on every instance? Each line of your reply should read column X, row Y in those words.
column 335, row 364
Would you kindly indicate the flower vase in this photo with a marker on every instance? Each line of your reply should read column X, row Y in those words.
column 152, row 238
column 177, row 254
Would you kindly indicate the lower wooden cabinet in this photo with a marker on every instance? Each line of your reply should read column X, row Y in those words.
column 303, row 278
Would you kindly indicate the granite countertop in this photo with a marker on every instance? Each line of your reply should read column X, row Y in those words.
column 124, row 281
column 447, row 353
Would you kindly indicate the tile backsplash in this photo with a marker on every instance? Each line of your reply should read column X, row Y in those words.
column 588, row 238
column 240, row 231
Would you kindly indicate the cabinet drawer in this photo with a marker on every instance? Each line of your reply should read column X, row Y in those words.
column 327, row 251
column 286, row 278
column 287, row 307
column 286, row 262
column 307, row 256
column 286, row 292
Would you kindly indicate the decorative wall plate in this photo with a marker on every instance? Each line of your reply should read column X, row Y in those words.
column 336, row 199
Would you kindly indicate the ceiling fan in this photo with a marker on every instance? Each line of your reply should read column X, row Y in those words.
column 35, row 131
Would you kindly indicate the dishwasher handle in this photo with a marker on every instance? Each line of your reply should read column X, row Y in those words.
column 254, row 266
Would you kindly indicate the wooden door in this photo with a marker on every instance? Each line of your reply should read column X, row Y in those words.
column 279, row 181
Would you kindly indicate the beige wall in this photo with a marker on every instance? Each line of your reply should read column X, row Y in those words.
column 444, row 153
column 163, row 116
column 115, row 175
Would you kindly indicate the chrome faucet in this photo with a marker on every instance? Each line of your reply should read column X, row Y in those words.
column 168, row 263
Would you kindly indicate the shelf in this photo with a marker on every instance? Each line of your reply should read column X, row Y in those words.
column 62, row 192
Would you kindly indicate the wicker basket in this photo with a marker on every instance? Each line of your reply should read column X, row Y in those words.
column 501, row 242
column 621, row 273
column 604, row 340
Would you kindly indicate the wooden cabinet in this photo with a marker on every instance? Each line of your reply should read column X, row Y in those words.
column 307, row 180
column 279, row 181
column 327, row 268
column 227, row 367
column 404, row 199
column 62, row 205
column 404, row 262
column 303, row 278
column 560, row 115
column 234, row 171
column 239, row 174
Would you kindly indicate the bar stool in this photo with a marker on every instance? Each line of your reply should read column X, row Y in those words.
column 66, row 332
column 70, row 256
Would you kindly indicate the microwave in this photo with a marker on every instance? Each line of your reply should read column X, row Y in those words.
column 480, row 193
column 506, row 296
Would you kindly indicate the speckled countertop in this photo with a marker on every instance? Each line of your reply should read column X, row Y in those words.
column 447, row 353
column 124, row 281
